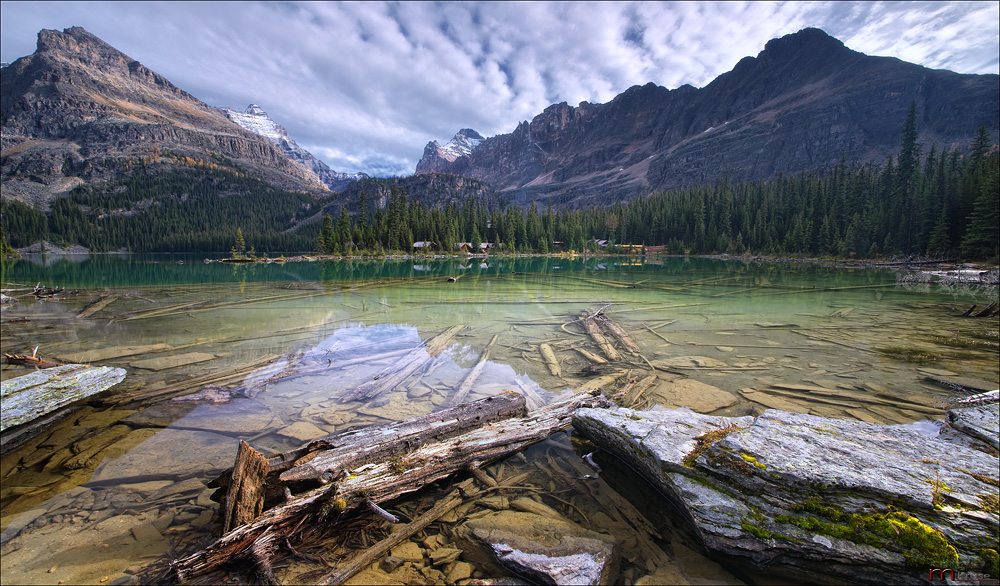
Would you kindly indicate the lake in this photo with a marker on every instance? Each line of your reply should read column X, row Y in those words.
column 117, row 489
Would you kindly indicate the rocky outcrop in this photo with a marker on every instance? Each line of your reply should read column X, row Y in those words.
column 801, row 104
column 814, row 498
column 78, row 110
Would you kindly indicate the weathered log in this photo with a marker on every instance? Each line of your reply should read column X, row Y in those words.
column 245, row 499
column 593, row 358
column 463, row 390
column 617, row 332
column 599, row 382
column 32, row 395
column 392, row 376
column 549, row 357
column 340, row 453
column 595, row 334
column 385, row 481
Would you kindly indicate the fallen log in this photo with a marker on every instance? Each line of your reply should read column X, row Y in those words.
column 392, row 376
column 33, row 360
column 379, row 482
column 617, row 332
column 549, row 357
column 97, row 305
column 595, row 334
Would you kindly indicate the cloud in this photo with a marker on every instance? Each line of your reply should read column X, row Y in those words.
column 364, row 86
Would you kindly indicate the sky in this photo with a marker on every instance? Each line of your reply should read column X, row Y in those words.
column 365, row 86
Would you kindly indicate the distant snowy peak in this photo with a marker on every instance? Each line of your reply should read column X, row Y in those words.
column 256, row 120
column 461, row 145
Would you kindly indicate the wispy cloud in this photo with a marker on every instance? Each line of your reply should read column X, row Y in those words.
column 364, row 86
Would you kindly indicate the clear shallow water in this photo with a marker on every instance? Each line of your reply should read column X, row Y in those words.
column 118, row 487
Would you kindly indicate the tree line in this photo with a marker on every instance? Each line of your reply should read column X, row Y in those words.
column 940, row 202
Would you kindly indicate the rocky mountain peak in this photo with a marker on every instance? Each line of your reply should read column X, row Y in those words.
column 460, row 146
column 256, row 120
column 99, row 110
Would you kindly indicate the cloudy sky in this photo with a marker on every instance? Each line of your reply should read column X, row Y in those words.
column 365, row 86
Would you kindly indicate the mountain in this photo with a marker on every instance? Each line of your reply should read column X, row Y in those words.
column 451, row 157
column 256, row 120
column 78, row 111
column 801, row 104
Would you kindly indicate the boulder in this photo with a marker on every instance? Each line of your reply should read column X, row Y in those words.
column 817, row 498
column 543, row 549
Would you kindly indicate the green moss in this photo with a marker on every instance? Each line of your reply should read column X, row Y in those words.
column 920, row 544
column 991, row 562
column 756, row 531
column 751, row 460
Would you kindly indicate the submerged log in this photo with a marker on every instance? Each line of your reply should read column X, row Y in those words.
column 463, row 390
column 392, row 376
column 415, row 466
column 595, row 334
column 549, row 357
column 617, row 332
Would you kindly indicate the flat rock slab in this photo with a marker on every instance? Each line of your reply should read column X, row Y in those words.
column 33, row 395
column 742, row 483
column 301, row 431
column 692, row 394
column 173, row 361
column 111, row 352
column 170, row 454
column 543, row 549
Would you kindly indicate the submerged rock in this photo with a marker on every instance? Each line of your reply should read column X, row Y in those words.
column 543, row 549
column 816, row 498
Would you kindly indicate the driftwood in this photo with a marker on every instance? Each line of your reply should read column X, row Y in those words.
column 595, row 334
column 391, row 377
column 456, row 497
column 246, row 488
column 593, row 358
column 33, row 395
column 549, row 357
column 416, row 465
column 617, row 332
column 32, row 360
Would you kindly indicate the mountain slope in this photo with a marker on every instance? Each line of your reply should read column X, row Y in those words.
column 801, row 104
column 79, row 111
column 256, row 120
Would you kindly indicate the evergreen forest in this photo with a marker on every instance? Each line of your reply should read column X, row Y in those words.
column 940, row 203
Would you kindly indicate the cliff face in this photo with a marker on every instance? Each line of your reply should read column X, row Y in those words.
column 805, row 100
column 78, row 110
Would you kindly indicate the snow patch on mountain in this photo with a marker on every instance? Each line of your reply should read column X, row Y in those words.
column 461, row 145
column 257, row 121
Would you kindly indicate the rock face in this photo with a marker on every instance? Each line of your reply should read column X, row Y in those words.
column 804, row 101
column 815, row 498
column 543, row 549
column 452, row 157
column 79, row 110
column 256, row 120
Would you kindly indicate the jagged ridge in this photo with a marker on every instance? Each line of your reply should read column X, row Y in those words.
column 800, row 104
